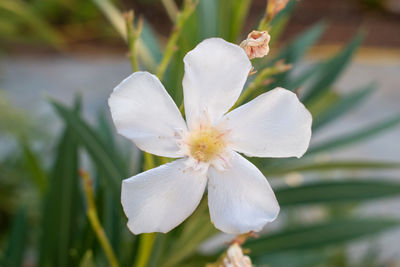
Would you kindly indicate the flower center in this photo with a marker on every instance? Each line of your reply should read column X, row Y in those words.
column 206, row 143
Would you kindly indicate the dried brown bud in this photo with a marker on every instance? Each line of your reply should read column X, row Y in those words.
column 256, row 44
column 235, row 257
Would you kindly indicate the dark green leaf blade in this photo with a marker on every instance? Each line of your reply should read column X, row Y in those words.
column 297, row 48
column 355, row 137
column 343, row 105
column 330, row 70
column 293, row 52
column 14, row 254
column 34, row 167
column 327, row 166
column 61, row 205
column 336, row 192
column 318, row 235
column 105, row 160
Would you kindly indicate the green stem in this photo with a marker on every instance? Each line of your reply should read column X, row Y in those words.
column 95, row 222
column 173, row 39
column 259, row 80
column 146, row 240
column 133, row 34
column 263, row 26
column 145, row 247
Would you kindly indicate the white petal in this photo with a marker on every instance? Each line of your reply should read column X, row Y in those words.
column 240, row 198
column 158, row 200
column 143, row 111
column 275, row 124
column 215, row 73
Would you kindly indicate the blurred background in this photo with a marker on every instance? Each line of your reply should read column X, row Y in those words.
column 58, row 49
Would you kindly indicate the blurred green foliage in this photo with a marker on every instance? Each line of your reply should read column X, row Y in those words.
column 59, row 232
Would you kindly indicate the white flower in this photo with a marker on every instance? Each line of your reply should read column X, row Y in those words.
column 275, row 124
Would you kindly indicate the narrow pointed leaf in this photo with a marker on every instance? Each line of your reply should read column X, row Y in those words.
column 358, row 136
column 14, row 254
column 279, row 22
column 328, row 166
column 297, row 48
column 240, row 9
column 207, row 14
column 34, row 167
column 336, row 192
column 294, row 52
column 61, row 206
column 105, row 160
column 318, row 235
column 342, row 106
column 330, row 71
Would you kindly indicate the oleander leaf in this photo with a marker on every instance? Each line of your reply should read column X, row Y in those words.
column 62, row 204
column 308, row 166
column 324, row 192
column 330, row 70
column 17, row 241
column 107, row 163
column 357, row 136
column 34, row 167
column 318, row 235
column 345, row 104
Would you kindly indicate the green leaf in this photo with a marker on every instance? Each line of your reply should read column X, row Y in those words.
column 60, row 219
column 336, row 192
column 357, row 136
column 330, row 70
column 298, row 80
column 240, row 9
column 293, row 52
column 150, row 41
column 34, row 167
column 14, row 254
column 343, row 105
column 297, row 48
column 318, row 235
column 87, row 260
column 195, row 230
column 323, row 103
column 207, row 14
column 303, row 258
column 107, row 162
column 328, row 166
column 149, row 49
column 279, row 22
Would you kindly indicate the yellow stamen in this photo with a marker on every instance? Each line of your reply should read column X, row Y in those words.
column 206, row 143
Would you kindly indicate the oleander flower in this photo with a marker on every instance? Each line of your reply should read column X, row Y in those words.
column 275, row 124
column 256, row 44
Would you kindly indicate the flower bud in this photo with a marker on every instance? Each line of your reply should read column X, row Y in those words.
column 235, row 257
column 256, row 44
